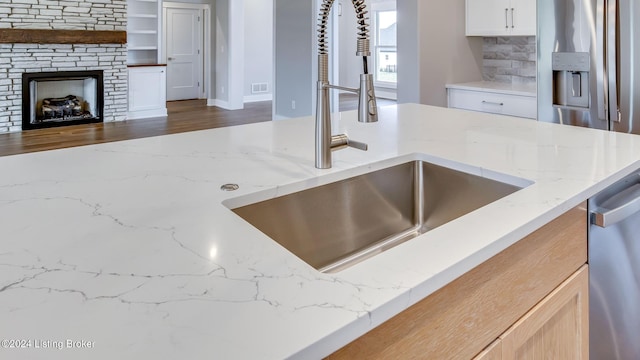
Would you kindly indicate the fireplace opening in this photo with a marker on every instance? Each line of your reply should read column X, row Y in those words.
column 62, row 98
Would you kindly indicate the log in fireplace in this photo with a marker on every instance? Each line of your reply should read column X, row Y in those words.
column 62, row 98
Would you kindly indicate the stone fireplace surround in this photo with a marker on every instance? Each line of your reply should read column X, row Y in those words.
column 87, row 15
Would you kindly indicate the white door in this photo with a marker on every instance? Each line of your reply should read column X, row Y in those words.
column 184, row 33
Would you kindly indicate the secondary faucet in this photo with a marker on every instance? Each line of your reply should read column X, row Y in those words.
column 367, row 108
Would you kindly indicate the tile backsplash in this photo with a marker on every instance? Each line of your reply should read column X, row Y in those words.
column 509, row 59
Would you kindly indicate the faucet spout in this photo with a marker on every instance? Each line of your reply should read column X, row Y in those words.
column 367, row 106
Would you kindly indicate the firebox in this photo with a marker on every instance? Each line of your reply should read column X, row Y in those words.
column 62, row 98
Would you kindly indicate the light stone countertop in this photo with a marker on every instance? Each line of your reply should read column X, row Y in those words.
column 497, row 87
column 128, row 245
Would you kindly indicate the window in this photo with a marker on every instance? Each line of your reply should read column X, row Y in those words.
column 384, row 46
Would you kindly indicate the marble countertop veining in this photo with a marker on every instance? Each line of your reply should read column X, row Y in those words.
column 128, row 247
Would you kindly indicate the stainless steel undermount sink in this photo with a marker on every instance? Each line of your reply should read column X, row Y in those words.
column 336, row 225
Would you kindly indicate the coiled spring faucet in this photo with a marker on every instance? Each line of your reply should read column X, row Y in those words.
column 367, row 108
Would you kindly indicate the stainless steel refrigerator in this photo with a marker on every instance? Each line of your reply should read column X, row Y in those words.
column 589, row 75
column 589, row 63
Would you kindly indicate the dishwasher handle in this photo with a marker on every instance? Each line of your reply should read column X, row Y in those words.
column 617, row 208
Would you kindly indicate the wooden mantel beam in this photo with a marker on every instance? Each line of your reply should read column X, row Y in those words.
column 37, row 36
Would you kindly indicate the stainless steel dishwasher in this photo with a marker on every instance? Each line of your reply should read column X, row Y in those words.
column 614, row 271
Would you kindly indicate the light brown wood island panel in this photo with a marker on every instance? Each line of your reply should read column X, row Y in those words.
column 492, row 352
column 467, row 315
column 556, row 328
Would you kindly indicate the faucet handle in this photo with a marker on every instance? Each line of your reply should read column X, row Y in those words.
column 357, row 144
column 342, row 140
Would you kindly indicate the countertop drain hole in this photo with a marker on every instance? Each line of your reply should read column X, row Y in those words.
column 229, row 187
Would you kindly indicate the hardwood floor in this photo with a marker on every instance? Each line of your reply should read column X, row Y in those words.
column 188, row 115
column 183, row 116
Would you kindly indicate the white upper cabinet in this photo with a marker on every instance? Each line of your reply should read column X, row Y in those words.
column 524, row 20
column 501, row 17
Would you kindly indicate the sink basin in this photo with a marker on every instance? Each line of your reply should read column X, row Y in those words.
column 336, row 225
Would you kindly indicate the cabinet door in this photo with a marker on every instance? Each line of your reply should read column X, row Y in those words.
column 147, row 92
column 556, row 328
column 522, row 17
column 492, row 352
column 487, row 17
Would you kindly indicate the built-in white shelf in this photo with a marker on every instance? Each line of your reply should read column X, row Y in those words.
column 143, row 31
column 142, row 48
column 150, row 16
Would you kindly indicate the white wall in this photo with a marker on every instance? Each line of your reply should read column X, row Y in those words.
column 295, row 59
column 221, row 26
column 229, row 54
column 350, row 64
column 432, row 47
column 408, row 59
column 433, row 50
column 258, row 47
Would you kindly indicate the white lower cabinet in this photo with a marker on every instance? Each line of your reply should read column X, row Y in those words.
column 147, row 91
column 493, row 100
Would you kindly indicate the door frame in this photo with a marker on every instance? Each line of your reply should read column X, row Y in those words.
column 205, row 38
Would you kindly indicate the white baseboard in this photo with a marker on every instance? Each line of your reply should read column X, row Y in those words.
column 146, row 114
column 223, row 104
column 219, row 103
column 257, row 98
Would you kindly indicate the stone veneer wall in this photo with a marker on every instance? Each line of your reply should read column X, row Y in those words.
column 58, row 15
column 64, row 14
column 509, row 59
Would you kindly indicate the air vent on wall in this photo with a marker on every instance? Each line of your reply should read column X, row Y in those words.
column 257, row 88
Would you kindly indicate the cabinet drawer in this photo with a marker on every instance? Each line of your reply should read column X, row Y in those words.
column 514, row 105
